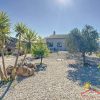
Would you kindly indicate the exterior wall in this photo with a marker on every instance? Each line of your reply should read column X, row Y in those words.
column 55, row 41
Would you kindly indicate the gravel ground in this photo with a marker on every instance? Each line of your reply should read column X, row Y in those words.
column 51, row 84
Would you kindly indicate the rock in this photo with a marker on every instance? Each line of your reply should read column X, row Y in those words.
column 19, row 64
column 25, row 64
column 9, row 69
column 24, row 71
column 20, row 71
column 30, row 65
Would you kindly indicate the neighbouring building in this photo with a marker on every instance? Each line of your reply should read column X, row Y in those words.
column 11, row 44
column 56, row 42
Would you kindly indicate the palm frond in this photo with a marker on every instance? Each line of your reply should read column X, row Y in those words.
column 20, row 28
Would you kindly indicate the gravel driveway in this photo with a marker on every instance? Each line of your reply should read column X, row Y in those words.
column 51, row 84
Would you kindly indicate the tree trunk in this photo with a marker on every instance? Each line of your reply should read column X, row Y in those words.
column 41, row 60
column 23, row 59
column 83, row 55
column 14, row 72
column 18, row 52
column 16, row 60
column 3, row 63
column 1, row 74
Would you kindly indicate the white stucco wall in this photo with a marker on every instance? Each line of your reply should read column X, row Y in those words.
column 55, row 41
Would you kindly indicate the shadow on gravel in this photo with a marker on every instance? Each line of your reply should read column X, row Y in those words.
column 84, row 74
column 30, row 59
column 20, row 78
column 40, row 67
column 7, row 89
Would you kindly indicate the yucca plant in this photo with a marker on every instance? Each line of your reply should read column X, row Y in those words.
column 20, row 28
column 29, row 38
column 4, row 33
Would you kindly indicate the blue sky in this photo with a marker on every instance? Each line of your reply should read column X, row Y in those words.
column 44, row 16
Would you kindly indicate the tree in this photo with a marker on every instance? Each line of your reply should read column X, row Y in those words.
column 74, row 40
column 40, row 49
column 4, row 33
column 29, row 38
column 84, row 41
column 20, row 28
column 90, row 36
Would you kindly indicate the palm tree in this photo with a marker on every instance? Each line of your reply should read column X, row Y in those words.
column 20, row 28
column 29, row 38
column 4, row 33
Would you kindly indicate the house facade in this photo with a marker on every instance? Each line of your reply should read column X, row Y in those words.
column 56, row 42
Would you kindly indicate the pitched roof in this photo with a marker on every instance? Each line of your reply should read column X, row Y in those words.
column 57, row 36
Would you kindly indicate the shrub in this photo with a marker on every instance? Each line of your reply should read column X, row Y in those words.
column 40, row 49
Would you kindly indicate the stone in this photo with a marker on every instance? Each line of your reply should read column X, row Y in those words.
column 24, row 71
column 30, row 65
column 9, row 69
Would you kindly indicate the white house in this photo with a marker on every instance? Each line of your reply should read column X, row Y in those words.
column 56, row 42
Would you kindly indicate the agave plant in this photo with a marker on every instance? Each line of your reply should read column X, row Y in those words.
column 4, row 33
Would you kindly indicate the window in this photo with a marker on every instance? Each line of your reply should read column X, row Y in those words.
column 50, row 44
column 59, row 44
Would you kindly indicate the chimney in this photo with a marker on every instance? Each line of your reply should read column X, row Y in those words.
column 54, row 32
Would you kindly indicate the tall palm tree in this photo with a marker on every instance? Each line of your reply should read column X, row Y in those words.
column 29, row 38
column 4, row 33
column 20, row 28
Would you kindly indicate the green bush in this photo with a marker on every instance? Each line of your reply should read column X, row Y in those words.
column 40, row 49
column 99, row 66
column 98, row 54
